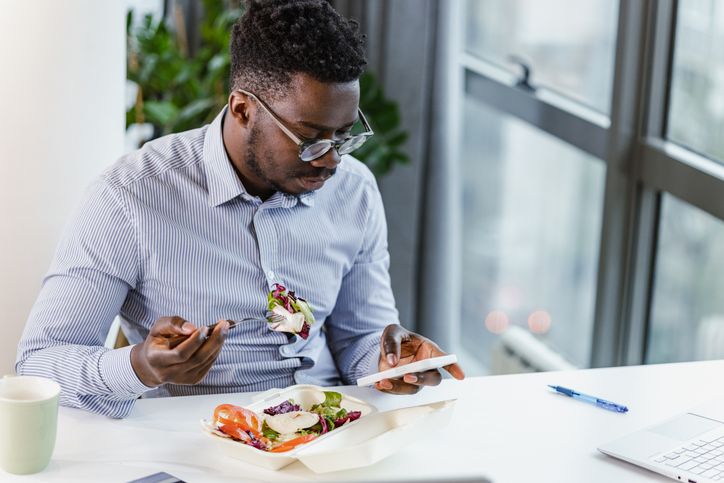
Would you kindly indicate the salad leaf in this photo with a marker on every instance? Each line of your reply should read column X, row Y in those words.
column 347, row 418
column 332, row 399
column 283, row 302
column 269, row 432
column 304, row 333
column 257, row 444
column 323, row 422
column 285, row 407
column 301, row 305
column 324, row 425
column 328, row 412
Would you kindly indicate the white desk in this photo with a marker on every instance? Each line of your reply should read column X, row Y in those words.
column 510, row 428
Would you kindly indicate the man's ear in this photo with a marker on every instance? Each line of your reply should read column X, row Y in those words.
column 241, row 108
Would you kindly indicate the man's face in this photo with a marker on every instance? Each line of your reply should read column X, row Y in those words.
column 311, row 110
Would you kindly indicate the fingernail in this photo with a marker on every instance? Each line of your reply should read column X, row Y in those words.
column 385, row 385
column 410, row 378
column 391, row 359
column 187, row 328
column 204, row 332
column 225, row 327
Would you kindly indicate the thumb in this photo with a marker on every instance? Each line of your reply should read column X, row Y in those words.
column 390, row 344
column 170, row 326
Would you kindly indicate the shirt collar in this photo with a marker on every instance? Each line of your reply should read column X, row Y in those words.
column 222, row 181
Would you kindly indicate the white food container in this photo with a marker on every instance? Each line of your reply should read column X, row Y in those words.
column 374, row 436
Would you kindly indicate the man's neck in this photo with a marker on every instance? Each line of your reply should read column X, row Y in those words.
column 236, row 150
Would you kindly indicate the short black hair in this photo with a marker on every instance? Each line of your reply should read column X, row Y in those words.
column 275, row 39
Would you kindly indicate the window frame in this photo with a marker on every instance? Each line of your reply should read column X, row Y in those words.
column 641, row 163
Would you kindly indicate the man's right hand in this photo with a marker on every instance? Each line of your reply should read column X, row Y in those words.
column 161, row 358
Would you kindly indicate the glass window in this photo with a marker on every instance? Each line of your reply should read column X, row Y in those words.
column 570, row 44
column 687, row 313
column 696, row 106
column 532, row 213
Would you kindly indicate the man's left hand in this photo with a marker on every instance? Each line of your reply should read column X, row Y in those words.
column 399, row 346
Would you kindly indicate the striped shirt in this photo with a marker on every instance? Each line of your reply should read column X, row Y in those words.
column 170, row 230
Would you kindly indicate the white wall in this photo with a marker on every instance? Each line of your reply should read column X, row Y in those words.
column 62, row 84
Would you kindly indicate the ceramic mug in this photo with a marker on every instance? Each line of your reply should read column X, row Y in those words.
column 28, row 423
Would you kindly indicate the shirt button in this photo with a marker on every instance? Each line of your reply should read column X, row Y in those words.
column 270, row 274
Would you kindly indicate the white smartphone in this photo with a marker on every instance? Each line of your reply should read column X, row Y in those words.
column 399, row 371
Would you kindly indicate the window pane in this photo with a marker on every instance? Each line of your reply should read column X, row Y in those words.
column 696, row 112
column 532, row 210
column 570, row 44
column 687, row 315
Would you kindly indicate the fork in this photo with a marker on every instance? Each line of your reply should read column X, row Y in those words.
column 235, row 323
column 176, row 340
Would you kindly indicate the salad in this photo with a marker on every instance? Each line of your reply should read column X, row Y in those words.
column 282, row 427
column 289, row 313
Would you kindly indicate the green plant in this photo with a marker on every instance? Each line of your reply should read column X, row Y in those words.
column 178, row 90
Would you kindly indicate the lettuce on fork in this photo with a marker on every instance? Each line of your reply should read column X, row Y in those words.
column 289, row 313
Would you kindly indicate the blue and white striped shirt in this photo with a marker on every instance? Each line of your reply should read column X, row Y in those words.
column 170, row 230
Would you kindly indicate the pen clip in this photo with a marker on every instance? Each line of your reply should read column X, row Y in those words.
column 611, row 406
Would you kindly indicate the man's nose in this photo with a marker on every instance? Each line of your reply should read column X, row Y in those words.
column 330, row 160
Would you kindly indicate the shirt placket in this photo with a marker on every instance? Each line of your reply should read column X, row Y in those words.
column 268, row 241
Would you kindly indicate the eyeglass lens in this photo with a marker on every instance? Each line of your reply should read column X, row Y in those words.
column 320, row 148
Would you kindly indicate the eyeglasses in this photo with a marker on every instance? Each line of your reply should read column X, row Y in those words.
column 311, row 149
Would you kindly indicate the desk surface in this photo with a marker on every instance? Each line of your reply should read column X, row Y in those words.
column 508, row 428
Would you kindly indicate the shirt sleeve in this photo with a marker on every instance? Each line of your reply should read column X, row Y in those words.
column 365, row 303
column 94, row 267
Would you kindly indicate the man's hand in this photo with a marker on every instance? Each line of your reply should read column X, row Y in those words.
column 175, row 351
column 399, row 346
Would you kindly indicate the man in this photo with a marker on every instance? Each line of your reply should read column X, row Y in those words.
column 198, row 227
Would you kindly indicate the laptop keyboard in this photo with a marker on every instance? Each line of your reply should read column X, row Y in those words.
column 703, row 457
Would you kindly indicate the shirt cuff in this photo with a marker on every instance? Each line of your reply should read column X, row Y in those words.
column 374, row 361
column 118, row 374
column 369, row 363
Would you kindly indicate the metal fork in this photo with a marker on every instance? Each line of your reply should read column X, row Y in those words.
column 235, row 323
column 176, row 340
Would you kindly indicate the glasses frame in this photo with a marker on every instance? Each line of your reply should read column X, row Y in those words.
column 304, row 144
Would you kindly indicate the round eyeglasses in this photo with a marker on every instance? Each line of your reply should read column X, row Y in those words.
column 312, row 149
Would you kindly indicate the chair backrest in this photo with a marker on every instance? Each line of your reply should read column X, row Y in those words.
column 116, row 338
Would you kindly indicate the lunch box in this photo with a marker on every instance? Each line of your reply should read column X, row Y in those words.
column 371, row 438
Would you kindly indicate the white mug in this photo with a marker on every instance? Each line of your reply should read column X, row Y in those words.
column 28, row 423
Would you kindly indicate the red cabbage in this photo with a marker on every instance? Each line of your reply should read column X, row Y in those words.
column 257, row 444
column 323, row 423
column 351, row 416
column 284, row 407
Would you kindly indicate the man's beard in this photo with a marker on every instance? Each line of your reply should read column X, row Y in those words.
column 253, row 163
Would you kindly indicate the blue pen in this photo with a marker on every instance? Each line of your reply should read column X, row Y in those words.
column 596, row 401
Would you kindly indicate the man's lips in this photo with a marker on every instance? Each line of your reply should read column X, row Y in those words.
column 313, row 182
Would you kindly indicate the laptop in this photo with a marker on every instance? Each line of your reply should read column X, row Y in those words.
column 688, row 447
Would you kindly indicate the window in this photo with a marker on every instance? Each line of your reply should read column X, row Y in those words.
column 696, row 117
column 532, row 213
column 594, row 201
column 568, row 44
column 687, row 321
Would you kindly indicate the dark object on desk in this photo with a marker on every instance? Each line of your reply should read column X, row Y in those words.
column 161, row 477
